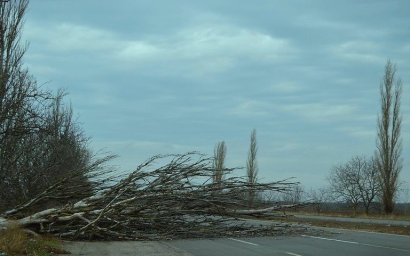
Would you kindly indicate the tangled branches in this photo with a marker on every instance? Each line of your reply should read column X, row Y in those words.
column 175, row 199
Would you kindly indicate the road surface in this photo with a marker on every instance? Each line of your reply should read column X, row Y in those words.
column 341, row 243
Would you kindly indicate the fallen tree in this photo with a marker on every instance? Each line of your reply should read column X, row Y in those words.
column 156, row 201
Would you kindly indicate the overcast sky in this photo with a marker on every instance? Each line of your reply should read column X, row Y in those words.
column 149, row 77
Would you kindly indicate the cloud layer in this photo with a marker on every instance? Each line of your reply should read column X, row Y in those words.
column 146, row 78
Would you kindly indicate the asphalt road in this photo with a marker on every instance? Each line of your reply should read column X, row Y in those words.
column 342, row 243
column 334, row 242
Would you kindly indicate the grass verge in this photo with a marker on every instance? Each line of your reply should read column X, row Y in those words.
column 352, row 215
column 383, row 228
column 16, row 241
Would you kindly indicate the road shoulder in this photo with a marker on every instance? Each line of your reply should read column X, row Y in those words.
column 146, row 248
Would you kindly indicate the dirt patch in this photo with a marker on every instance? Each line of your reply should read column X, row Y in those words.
column 148, row 248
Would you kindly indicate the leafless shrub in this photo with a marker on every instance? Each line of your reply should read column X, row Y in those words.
column 318, row 198
column 295, row 195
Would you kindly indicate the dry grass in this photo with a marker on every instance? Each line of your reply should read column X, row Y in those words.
column 349, row 214
column 13, row 240
column 16, row 241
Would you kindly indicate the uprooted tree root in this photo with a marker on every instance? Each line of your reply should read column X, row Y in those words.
column 173, row 200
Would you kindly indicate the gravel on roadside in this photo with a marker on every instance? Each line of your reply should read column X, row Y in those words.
column 146, row 248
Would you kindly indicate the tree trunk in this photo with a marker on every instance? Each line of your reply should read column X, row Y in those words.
column 367, row 209
column 388, row 206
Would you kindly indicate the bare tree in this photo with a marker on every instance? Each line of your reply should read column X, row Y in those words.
column 294, row 196
column 355, row 182
column 368, row 184
column 389, row 146
column 40, row 142
column 319, row 198
column 64, row 149
column 18, row 98
column 252, row 168
column 219, row 164
column 343, row 184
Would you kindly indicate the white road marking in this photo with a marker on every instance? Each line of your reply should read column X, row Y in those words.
column 241, row 241
column 331, row 239
column 371, row 232
column 293, row 254
column 352, row 242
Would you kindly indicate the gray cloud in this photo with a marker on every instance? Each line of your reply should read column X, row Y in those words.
column 147, row 78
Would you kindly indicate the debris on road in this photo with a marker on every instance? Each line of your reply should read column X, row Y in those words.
column 175, row 199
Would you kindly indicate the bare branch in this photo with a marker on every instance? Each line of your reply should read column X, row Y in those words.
column 153, row 202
